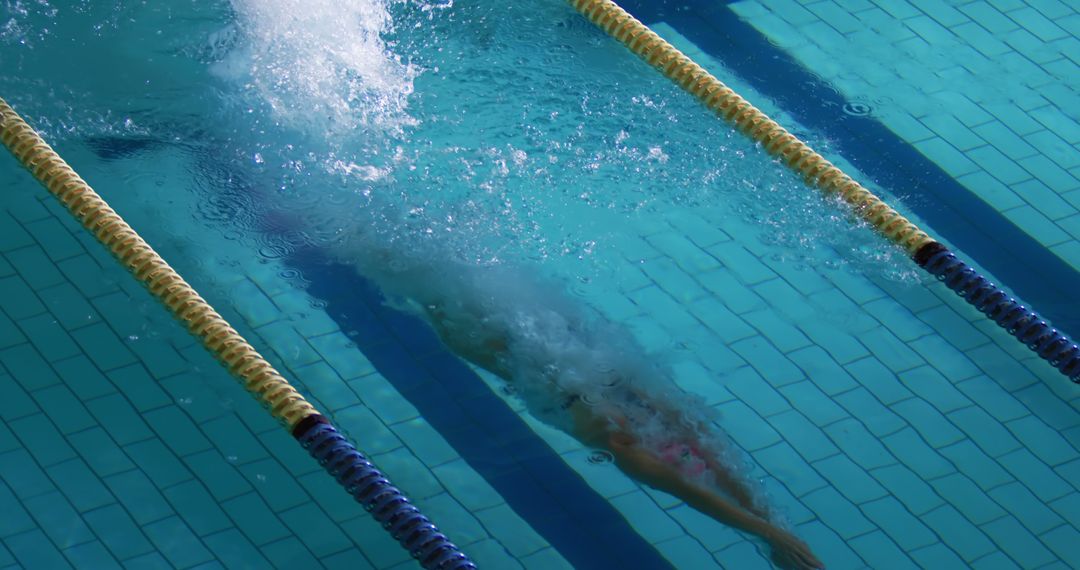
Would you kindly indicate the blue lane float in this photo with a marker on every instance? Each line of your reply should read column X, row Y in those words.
column 1023, row 323
column 386, row 503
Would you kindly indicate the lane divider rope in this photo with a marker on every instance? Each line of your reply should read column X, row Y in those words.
column 1026, row 325
column 339, row 457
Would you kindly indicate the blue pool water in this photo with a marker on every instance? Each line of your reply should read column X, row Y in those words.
column 297, row 162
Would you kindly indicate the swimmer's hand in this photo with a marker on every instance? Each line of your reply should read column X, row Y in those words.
column 790, row 553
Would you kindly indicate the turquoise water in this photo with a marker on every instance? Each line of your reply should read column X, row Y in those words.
column 292, row 160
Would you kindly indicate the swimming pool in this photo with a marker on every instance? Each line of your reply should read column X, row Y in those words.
column 896, row 426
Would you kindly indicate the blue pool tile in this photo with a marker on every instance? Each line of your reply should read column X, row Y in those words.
column 83, row 378
column 10, row 335
column 743, row 554
column 13, row 236
column 1063, row 541
column 197, row 508
column 914, row 453
column 328, row 496
column 80, row 485
column 64, row 409
column 274, row 484
column 748, row 386
column 890, row 350
column 233, row 439
column 255, row 519
column 991, row 190
column 91, row 555
column 741, row 262
column 25, row 477
column 782, row 462
column 984, row 430
column 220, row 477
column 115, row 528
column 34, row 267
column 100, row 452
column 177, row 543
column 850, row 479
column 947, row 156
column 177, row 431
column 908, row 488
column 972, row 462
column 881, row 552
column 289, row 553
column 829, row 546
column 1029, row 510
column 992, row 398
column 786, row 299
column 159, row 464
column 1068, row 507
column 33, row 550
column 15, row 519
column 673, row 279
column 29, row 369
column 746, row 426
column 892, row 517
column 42, row 439
column 670, row 312
column 103, row 346
column 956, row 531
column 140, row 388
column 16, row 403
column 284, row 340
column 860, row 445
column 931, row 425
column 1037, row 225
column 348, row 559
column 962, row 493
column 233, row 550
column 897, row 317
column 736, row 296
column 48, row 337
column 803, row 435
column 1003, row 368
column 872, row 413
column 838, row 513
column 1035, row 474
column 813, row 403
column 716, row 316
column 58, row 519
column 685, row 552
column 515, row 534
column 90, row 277
column 1017, row 542
column 315, row 529
column 139, row 496
column 937, row 555
column 372, row 435
column 1045, row 442
column 711, row 534
column 843, row 347
column 777, row 369
column 327, row 386
column 879, row 380
column 149, row 561
column 425, row 441
column 56, row 241
column 340, row 352
column 116, row 414
column 945, row 357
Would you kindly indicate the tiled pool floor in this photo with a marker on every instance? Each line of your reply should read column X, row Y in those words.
column 897, row 426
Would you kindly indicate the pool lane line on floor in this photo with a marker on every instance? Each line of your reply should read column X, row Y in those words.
column 1019, row 321
column 482, row 428
column 353, row 471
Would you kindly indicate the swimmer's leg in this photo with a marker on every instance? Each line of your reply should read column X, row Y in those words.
column 787, row 551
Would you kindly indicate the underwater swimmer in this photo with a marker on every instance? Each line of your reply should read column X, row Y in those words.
column 532, row 340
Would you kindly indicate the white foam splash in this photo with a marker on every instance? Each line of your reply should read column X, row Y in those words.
column 322, row 65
